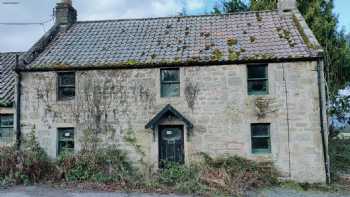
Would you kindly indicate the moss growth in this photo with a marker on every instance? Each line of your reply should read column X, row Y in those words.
column 233, row 55
column 285, row 34
column 61, row 66
column 153, row 56
column 232, row 41
column 302, row 33
column 132, row 62
column 217, row 55
column 242, row 50
column 252, row 39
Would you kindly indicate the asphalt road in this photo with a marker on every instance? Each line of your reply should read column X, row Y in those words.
column 45, row 191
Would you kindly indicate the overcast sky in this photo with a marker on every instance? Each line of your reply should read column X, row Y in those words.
column 21, row 38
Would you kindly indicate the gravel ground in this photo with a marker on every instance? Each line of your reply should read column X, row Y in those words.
column 282, row 192
column 45, row 191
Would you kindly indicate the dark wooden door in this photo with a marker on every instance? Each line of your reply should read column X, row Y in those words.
column 171, row 145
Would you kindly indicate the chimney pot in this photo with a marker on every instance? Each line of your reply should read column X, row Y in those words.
column 286, row 5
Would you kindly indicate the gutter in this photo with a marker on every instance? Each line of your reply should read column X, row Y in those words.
column 18, row 106
column 322, row 118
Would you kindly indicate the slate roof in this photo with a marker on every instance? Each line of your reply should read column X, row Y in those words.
column 7, row 77
column 235, row 37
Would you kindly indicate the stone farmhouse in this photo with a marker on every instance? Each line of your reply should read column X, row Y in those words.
column 166, row 89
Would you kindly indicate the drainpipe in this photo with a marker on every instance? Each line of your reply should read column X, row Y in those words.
column 322, row 118
column 18, row 106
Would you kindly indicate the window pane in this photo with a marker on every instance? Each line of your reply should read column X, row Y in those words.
column 67, row 92
column 6, row 121
column 260, row 143
column 170, row 90
column 260, row 138
column 65, row 140
column 257, row 71
column 170, row 75
column 6, row 132
column 260, row 130
column 67, row 79
column 257, row 87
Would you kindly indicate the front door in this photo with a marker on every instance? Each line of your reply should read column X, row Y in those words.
column 171, row 145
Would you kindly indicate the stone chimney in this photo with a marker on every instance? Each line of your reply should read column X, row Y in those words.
column 287, row 5
column 65, row 14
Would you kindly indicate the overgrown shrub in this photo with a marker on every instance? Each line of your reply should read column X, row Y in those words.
column 28, row 165
column 185, row 179
column 236, row 175
column 339, row 153
column 100, row 165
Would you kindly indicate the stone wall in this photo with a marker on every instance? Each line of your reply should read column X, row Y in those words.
column 118, row 103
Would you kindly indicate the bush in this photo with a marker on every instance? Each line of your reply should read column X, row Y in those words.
column 185, row 179
column 101, row 165
column 339, row 153
column 29, row 165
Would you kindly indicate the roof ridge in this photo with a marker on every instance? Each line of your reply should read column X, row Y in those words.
column 175, row 17
column 12, row 52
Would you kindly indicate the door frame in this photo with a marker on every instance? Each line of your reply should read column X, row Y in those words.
column 160, row 127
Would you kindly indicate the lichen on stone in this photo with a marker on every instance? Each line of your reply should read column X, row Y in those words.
column 232, row 41
column 252, row 39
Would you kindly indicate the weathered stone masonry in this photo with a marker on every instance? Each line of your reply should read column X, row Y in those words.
column 117, row 103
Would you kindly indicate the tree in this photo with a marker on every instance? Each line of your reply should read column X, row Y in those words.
column 230, row 6
column 257, row 5
column 320, row 18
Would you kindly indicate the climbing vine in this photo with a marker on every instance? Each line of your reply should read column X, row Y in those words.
column 191, row 93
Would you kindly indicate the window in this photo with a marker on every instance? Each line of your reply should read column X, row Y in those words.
column 260, row 138
column 257, row 80
column 65, row 140
column 66, row 85
column 6, row 127
column 170, row 82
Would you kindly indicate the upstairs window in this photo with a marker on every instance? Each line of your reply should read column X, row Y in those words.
column 6, row 127
column 257, row 79
column 170, row 82
column 260, row 138
column 65, row 140
column 66, row 85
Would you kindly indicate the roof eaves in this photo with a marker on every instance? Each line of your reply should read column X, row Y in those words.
column 140, row 65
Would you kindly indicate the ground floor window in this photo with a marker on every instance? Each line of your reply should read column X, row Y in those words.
column 6, row 127
column 65, row 140
column 261, row 142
